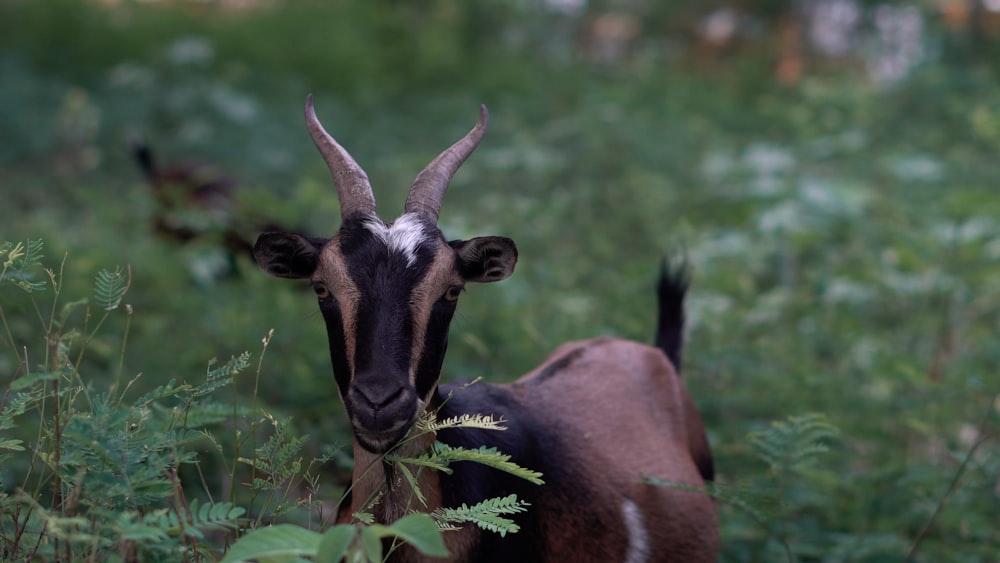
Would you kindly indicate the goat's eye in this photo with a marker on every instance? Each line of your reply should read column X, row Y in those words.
column 453, row 292
column 321, row 290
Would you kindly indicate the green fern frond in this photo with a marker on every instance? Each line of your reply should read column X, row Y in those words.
column 17, row 258
column 223, row 375
column 795, row 443
column 444, row 454
column 487, row 514
column 199, row 518
column 364, row 517
column 131, row 527
column 480, row 421
column 200, row 415
column 11, row 444
column 162, row 392
column 17, row 404
column 110, row 287
column 278, row 457
column 423, row 460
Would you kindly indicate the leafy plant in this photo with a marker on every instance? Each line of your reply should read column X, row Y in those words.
column 789, row 448
column 486, row 514
column 102, row 474
column 362, row 540
column 354, row 542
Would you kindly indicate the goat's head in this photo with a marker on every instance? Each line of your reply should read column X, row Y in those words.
column 387, row 291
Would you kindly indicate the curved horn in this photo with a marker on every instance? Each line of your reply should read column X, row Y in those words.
column 428, row 189
column 353, row 188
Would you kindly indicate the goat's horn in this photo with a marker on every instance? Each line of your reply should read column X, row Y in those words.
column 353, row 188
column 428, row 189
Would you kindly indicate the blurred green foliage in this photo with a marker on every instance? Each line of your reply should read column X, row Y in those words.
column 844, row 233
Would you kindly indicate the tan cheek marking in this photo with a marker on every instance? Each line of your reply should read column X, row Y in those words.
column 333, row 273
column 440, row 275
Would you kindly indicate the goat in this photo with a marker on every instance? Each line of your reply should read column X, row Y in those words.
column 196, row 201
column 596, row 418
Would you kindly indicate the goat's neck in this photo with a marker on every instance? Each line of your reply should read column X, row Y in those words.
column 382, row 490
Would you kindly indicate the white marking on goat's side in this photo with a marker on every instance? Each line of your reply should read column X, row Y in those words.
column 638, row 537
column 404, row 235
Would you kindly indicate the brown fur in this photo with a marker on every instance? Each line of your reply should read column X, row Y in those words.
column 626, row 412
column 624, row 415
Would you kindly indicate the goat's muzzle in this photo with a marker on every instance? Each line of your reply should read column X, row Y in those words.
column 381, row 415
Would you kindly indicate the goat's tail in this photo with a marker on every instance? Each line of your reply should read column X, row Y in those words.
column 673, row 285
column 674, row 279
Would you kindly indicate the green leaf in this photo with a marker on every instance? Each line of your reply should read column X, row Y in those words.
column 795, row 443
column 443, row 453
column 480, row 421
column 486, row 514
column 283, row 542
column 371, row 542
column 420, row 531
column 33, row 378
column 411, row 479
column 20, row 257
column 334, row 543
column 110, row 287
column 12, row 445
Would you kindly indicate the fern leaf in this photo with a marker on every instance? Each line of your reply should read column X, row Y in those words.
column 443, row 453
column 795, row 443
column 201, row 518
column 488, row 514
column 480, row 421
column 364, row 517
column 223, row 375
column 162, row 392
column 12, row 445
column 110, row 287
column 19, row 258
column 423, row 460
column 145, row 530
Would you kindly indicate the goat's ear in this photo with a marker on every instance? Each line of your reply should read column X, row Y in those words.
column 287, row 255
column 485, row 259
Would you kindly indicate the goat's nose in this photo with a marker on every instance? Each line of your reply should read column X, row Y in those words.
column 379, row 409
column 377, row 398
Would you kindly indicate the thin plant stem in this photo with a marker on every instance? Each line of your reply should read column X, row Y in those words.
column 121, row 356
column 953, row 485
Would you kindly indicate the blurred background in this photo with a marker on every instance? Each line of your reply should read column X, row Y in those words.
column 829, row 167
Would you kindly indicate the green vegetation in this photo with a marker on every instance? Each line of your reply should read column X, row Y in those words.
column 844, row 235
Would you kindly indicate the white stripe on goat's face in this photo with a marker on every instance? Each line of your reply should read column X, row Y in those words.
column 404, row 235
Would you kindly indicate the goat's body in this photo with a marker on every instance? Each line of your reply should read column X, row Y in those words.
column 597, row 418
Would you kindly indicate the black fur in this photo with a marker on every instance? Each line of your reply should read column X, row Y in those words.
column 528, row 441
column 563, row 362
column 673, row 286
